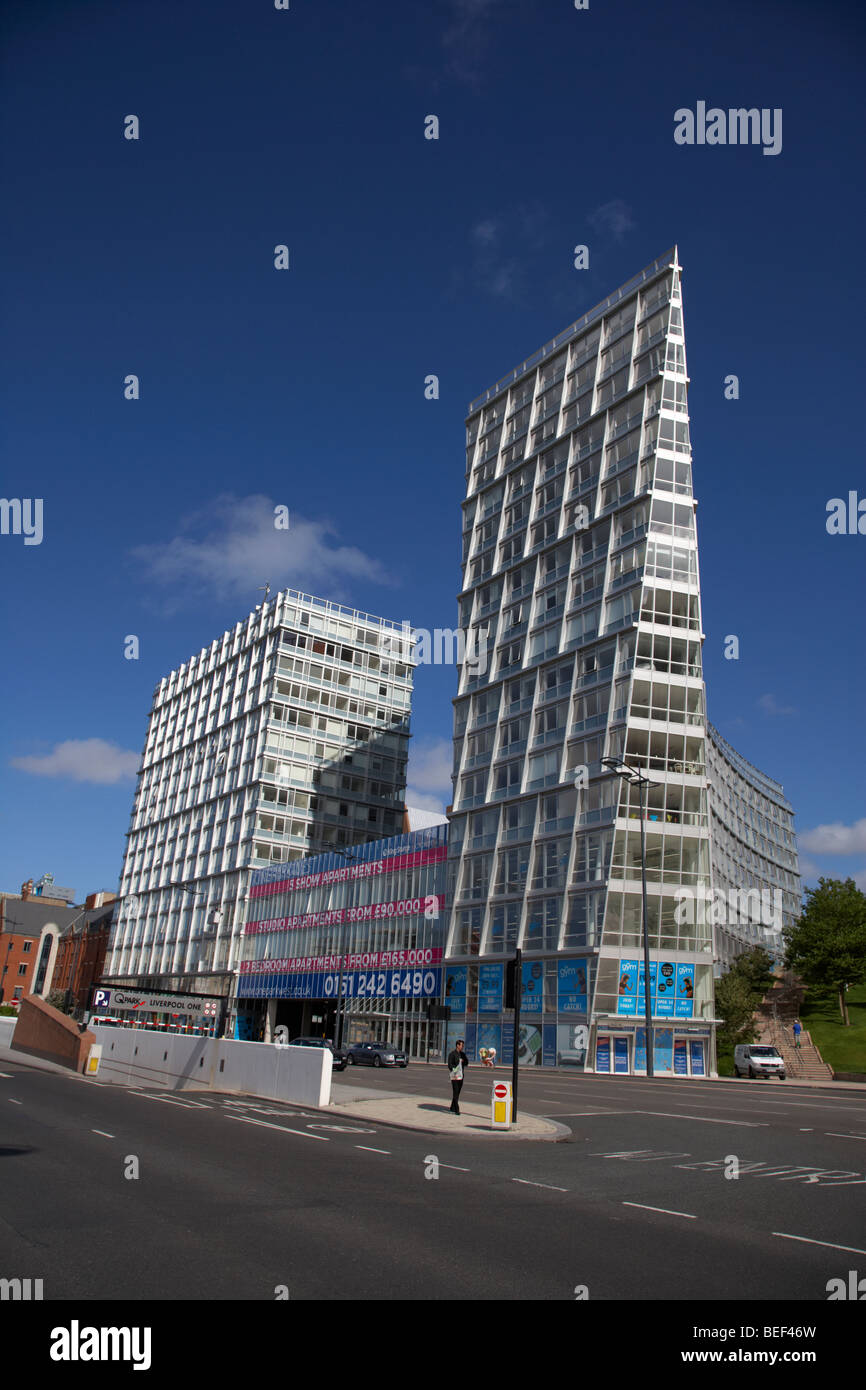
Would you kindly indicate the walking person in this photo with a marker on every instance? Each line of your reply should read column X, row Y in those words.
column 797, row 1031
column 457, row 1064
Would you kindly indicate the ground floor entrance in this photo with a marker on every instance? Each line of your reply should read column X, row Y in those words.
column 403, row 1023
column 676, row 1052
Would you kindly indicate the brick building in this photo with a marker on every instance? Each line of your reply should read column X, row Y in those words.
column 30, row 931
column 82, row 948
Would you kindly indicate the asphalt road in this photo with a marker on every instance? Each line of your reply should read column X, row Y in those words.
column 237, row 1197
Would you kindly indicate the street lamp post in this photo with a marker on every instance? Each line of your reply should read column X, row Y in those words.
column 340, row 1016
column 636, row 778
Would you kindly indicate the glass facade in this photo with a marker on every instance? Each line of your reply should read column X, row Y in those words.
column 359, row 934
column 756, row 868
column 580, row 564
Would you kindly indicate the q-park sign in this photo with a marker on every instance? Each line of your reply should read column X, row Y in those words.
column 135, row 1001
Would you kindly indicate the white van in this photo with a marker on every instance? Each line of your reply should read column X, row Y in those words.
column 758, row 1059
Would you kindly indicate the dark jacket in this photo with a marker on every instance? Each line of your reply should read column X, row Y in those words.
column 455, row 1058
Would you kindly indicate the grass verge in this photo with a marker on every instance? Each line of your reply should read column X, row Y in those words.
column 843, row 1048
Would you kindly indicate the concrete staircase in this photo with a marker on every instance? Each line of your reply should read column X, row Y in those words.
column 774, row 1018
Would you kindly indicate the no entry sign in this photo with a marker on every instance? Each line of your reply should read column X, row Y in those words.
column 501, row 1105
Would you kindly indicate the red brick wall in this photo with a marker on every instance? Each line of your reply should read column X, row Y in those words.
column 86, row 953
column 46, row 1032
column 13, row 955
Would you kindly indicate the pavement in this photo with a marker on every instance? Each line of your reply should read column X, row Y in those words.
column 431, row 1114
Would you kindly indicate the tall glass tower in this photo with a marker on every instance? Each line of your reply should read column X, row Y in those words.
column 580, row 558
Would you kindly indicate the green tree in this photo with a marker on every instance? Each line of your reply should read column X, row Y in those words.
column 827, row 946
column 755, row 967
column 735, row 1003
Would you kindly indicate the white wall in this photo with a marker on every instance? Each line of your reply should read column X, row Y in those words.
column 135, row 1056
column 7, row 1028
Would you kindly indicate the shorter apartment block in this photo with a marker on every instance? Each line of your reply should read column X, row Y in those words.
column 287, row 736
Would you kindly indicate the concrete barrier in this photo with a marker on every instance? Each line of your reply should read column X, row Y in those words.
column 138, row 1057
column 43, row 1031
column 7, row 1028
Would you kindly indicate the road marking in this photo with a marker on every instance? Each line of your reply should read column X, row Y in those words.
column 548, row 1185
column 367, row 1149
column 705, row 1119
column 665, row 1210
column 7, row 1074
column 573, row 1114
column 829, row 1243
column 170, row 1100
column 164, row 1100
column 806, row 1129
column 103, row 1132
column 14, row 1102
column 641, row 1155
column 844, row 1136
column 456, row 1167
column 265, row 1124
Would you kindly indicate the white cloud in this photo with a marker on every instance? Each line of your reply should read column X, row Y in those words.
column 770, row 705
column 504, row 245
column 810, row 871
column 422, row 802
column 231, row 546
column 84, row 760
column 835, row 838
column 465, row 39
column 485, row 232
column 429, row 775
column 613, row 218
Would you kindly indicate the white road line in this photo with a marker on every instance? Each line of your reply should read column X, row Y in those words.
column 7, row 1074
column 548, row 1185
column 456, row 1167
column 14, row 1102
column 807, row 1129
column 573, row 1114
column 834, row 1135
column 829, row 1243
column 705, row 1119
column 367, row 1149
column 164, row 1100
column 665, row 1210
column 103, row 1132
column 265, row 1124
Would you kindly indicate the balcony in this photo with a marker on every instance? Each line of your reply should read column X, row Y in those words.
column 549, row 736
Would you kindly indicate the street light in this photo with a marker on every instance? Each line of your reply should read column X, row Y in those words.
column 340, row 1013
column 636, row 778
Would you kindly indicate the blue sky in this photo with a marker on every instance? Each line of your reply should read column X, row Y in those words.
column 408, row 257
